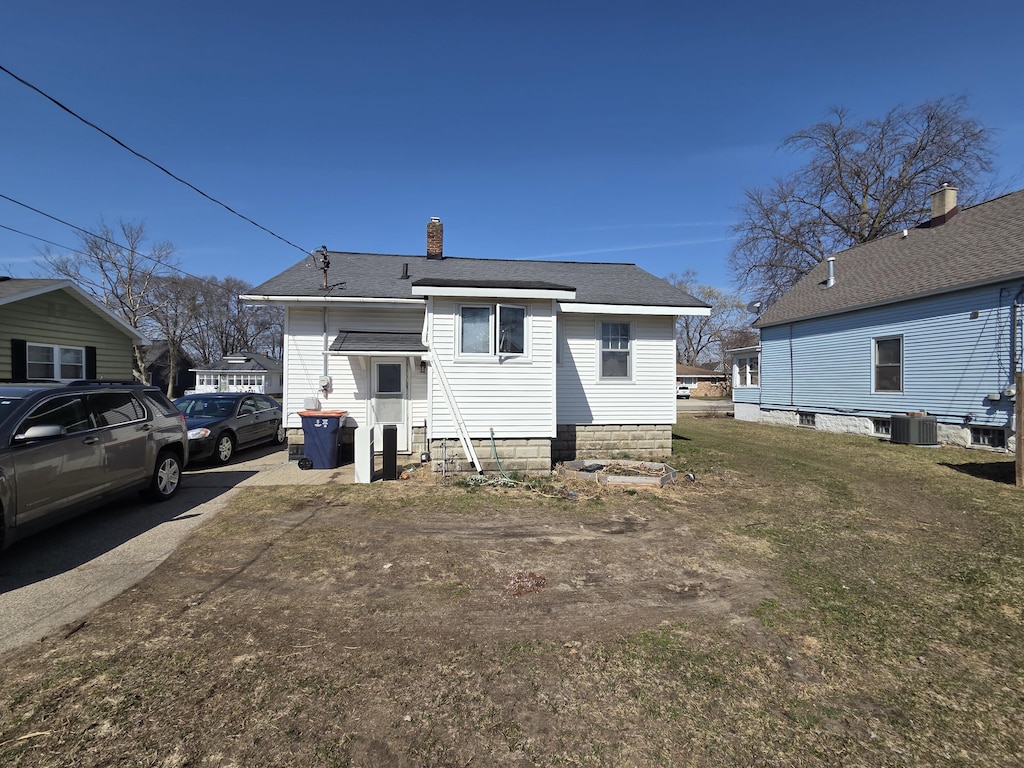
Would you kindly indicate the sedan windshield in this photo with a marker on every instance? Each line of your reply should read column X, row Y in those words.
column 209, row 407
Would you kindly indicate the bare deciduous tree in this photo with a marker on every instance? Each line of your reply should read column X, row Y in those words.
column 223, row 325
column 699, row 339
column 120, row 272
column 861, row 181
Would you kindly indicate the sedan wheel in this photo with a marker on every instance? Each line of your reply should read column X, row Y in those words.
column 225, row 448
column 280, row 435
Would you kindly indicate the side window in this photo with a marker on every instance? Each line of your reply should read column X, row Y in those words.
column 475, row 331
column 68, row 412
column 889, row 365
column 266, row 403
column 247, row 407
column 112, row 408
column 615, row 351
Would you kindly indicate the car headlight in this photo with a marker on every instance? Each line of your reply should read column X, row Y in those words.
column 198, row 434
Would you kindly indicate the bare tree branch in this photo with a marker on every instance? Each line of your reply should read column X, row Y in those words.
column 861, row 182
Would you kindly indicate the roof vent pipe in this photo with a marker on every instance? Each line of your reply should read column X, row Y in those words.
column 831, row 261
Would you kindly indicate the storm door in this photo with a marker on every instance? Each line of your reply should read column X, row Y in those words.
column 390, row 404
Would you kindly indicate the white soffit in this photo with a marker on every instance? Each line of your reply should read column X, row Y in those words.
column 631, row 309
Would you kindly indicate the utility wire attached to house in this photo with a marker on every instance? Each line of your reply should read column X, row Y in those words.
column 148, row 160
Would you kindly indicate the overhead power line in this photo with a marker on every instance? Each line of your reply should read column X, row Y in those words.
column 104, row 239
column 155, row 164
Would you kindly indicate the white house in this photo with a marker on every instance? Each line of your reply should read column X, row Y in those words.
column 926, row 324
column 532, row 362
column 241, row 372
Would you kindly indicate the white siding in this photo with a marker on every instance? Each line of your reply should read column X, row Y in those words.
column 647, row 398
column 512, row 395
column 304, row 345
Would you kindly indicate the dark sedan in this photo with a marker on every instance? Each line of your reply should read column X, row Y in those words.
column 219, row 423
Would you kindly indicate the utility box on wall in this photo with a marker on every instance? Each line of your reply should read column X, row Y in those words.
column 913, row 430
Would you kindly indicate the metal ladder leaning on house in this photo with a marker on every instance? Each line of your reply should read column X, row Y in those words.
column 460, row 425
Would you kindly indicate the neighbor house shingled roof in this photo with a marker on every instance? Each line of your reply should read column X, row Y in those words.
column 979, row 245
column 374, row 275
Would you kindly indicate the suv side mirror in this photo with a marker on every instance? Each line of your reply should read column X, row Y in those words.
column 39, row 432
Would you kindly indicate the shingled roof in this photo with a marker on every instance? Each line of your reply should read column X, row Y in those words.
column 979, row 245
column 380, row 276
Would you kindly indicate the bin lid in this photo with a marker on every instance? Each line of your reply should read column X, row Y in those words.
column 323, row 413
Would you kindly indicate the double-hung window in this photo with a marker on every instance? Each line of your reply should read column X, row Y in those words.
column 492, row 329
column 50, row 361
column 747, row 371
column 616, row 350
column 889, row 364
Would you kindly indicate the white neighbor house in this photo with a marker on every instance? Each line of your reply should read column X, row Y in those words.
column 533, row 361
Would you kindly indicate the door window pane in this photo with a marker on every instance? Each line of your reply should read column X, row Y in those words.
column 68, row 412
column 389, row 378
column 112, row 408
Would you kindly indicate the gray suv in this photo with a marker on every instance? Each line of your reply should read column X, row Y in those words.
column 66, row 448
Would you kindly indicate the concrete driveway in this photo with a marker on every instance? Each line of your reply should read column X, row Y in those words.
column 51, row 581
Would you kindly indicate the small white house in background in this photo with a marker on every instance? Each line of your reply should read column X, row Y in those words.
column 532, row 362
column 922, row 327
column 241, row 372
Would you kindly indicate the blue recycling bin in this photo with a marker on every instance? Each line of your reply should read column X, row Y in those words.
column 320, row 434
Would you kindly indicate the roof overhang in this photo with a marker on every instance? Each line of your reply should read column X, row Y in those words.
column 631, row 309
column 377, row 344
column 494, row 292
column 361, row 300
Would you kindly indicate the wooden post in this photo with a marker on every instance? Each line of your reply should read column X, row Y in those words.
column 1019, row 413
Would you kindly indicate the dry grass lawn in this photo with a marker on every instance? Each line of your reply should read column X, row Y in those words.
column 811, row 600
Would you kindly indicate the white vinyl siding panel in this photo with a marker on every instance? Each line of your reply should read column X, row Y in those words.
column 950, row 360
column 512, row 394
column 304, row 345
column 647, row 397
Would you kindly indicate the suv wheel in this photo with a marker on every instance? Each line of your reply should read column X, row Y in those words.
column 225, row 448
column 166, row 476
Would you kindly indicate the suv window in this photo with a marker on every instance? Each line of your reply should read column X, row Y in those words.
column 113, row 408
column 159, row 400
column 68, row 412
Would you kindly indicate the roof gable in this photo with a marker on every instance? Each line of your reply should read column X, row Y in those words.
column 982, row 244
column 18, row 289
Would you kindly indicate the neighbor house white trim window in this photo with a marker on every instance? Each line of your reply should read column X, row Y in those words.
column 747, row 371
column 52, row 361
column 479, row 334
column 887, row 353
column 616, row 350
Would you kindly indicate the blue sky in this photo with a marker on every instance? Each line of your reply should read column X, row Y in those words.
column 584, row 131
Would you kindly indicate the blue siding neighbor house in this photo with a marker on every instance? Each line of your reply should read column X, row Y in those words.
column 924, row 324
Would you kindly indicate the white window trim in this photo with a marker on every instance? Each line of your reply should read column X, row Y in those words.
column 741, row 371
column 630, row 351
column 492, row 354
column 56, row 360
column 874, row 365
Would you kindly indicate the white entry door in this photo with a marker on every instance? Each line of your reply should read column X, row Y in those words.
column 390, row 404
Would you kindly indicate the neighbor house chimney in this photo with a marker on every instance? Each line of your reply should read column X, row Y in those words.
column 943, row 205
column 435, row 238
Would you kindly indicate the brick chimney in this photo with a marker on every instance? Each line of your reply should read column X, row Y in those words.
column 435, row 238
column 944, row 205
